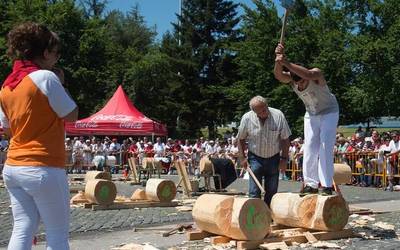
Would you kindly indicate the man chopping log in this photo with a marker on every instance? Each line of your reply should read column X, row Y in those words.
column 267, row 133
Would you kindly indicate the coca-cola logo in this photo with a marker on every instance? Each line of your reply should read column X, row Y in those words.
column 135, row 125
column 101, row 117
column 86, row 125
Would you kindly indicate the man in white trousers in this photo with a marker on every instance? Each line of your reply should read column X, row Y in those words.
column 320, row 121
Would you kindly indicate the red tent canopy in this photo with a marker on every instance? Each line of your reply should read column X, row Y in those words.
column 118, row 117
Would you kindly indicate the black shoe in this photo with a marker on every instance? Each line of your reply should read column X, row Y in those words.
column 326, row 191
column 308, row 190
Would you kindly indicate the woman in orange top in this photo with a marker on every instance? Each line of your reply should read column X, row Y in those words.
column 33, row 108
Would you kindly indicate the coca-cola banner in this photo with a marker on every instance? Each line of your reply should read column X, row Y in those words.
column 118, row 117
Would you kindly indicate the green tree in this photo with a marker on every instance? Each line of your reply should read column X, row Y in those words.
column 206, row 31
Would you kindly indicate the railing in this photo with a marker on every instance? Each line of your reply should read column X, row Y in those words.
column 367, row 167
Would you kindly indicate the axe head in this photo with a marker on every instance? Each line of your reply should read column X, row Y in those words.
column 287, row 4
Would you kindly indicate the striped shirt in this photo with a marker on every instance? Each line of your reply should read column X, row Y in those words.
column 264, row 139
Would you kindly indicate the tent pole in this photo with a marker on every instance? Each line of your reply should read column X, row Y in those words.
column 152, row 137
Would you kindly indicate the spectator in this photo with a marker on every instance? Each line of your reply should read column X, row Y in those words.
column 34, row 107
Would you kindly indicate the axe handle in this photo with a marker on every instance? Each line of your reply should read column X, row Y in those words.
column 281, row 41
column 255, row 179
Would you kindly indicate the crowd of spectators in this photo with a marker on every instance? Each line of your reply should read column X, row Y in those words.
column 83, row 153
column 368, row 152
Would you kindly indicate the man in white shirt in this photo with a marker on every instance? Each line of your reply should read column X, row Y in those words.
column 159, row 148
column 267, row 133
column 210, row 149
column 393, row 157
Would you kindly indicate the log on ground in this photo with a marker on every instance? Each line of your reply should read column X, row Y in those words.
column 100, row 191
column 251, row 219
column 160, row 190
column 328, row 213
column 139, row 194
column 92, row 175
column 212, row 213
column 342, row 173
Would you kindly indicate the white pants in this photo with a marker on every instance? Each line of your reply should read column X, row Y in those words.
column 319, row 141
column 38, row 193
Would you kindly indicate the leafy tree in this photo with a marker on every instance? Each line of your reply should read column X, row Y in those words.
column 206, row 30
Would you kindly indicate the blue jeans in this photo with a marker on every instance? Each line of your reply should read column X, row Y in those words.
column 267, row 168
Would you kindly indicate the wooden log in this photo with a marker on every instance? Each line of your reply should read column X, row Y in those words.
column 100, row 191
column 342, row 173
column 212, row 213
column 160, row 190
column 139, row 194
column 151, row 163
column 78, row 198
column 92, row 175
column 206, row 166
column 251, row 219
column 328, row 213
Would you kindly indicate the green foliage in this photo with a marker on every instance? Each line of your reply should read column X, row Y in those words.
column 204, row 72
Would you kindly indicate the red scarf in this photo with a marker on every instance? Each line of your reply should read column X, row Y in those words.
column 21, row 68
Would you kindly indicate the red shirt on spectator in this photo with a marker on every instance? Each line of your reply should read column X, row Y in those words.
column 149, row 151
column 133, row 149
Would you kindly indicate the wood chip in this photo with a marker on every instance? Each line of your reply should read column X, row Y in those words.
column 384, row 225
column 184, row 208
column 324, row 244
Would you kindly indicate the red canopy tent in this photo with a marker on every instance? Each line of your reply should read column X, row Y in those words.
column 118, row 117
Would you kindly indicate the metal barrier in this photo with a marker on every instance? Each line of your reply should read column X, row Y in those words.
column 367, row 168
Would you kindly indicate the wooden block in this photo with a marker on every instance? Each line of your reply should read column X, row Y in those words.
column 310, row 237
column 181, row 169
column 321, row 235
column 249, row 244
column 197, row 235
column 274, row 246
column 219, row 239
column 76, row 189
column 300, row 238
column 77, row 178
column 346, row 233
column 133, row 204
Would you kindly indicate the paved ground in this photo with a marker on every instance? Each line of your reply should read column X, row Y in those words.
column 103, row 229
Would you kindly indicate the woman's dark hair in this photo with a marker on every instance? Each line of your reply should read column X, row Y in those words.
column 29, row 40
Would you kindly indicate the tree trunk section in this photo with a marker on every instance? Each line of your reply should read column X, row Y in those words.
column 150, row 163
column 213, row 213
column 251, row 219
column 139, row 194
column 92, row 175
column 100, row 191
column 342, row 173
column 160, row 190
column 327, row 213
column 206, row 166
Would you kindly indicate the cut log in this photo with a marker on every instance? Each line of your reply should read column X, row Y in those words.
column 342, row 173
column 251, row 219
column 212, row 213
column 151, row 163
column 328, row 213
column 92, row 175
column 100, row 191
column 79, row 198
column 139, row 194
column 206, row 166
column 160, row 190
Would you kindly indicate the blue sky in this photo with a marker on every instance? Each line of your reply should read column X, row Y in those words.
column 161, row 12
